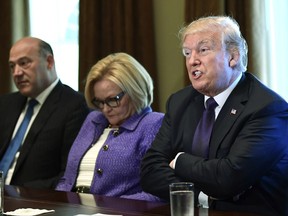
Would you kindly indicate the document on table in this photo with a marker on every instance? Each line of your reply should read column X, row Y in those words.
column 98, row 214
column 27, row 212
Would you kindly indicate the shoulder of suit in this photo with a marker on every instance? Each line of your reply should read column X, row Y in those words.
column 68, row 91
column 261, row 90
column 186, row 93
column 11, row 97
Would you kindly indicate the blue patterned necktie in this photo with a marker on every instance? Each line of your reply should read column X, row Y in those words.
column 15, row 143
column 200, row 146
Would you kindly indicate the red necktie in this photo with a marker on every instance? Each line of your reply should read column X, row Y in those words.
column 200, row 146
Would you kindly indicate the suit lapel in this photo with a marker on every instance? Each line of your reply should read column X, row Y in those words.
column 47, row 109
column 191, row 117
column 15, row 106
column 229, row 113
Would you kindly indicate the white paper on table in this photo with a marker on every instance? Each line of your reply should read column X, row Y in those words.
column 98, row 214
column 28, row 211
column 203, row 200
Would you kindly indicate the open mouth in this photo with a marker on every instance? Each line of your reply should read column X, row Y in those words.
column 196, row 74
column 22, row 83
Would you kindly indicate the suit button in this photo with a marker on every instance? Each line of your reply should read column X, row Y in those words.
column 115, row 133
column 99, row 171
column 105, row 147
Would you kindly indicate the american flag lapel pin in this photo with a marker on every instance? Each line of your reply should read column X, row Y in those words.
column 233, row 111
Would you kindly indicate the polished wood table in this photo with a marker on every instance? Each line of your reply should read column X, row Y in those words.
column 70, row 203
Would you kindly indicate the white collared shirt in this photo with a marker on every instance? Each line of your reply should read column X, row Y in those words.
column 41, row 99
column 220, row 99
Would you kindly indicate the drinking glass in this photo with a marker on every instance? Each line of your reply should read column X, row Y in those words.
column 182, row 199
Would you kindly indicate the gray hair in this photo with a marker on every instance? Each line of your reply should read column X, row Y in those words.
column 231, row 35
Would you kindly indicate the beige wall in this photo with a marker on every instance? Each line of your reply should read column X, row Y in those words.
column 169, row 18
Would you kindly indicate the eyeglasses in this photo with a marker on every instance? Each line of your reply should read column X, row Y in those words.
column 111, row 102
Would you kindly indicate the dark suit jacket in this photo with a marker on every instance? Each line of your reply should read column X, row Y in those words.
column 43, row 155
column 248, row 152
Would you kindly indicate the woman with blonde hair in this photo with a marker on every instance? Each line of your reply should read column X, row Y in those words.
column 105, row 157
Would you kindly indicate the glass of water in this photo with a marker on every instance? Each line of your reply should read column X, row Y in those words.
column 182, row 199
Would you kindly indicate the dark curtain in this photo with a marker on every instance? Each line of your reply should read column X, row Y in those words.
column 241, row 11
column 108, row 26
column 11, row 13
column 6, row 40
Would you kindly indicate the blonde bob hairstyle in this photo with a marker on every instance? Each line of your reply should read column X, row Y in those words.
column 126, row 72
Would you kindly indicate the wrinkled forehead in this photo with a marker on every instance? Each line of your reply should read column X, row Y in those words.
column 198, row 38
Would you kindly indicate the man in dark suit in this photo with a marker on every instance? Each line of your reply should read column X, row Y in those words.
column 245, row 165
column 58, row 116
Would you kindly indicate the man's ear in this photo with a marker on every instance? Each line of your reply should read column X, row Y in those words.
column 234, row 58
column 50, row 62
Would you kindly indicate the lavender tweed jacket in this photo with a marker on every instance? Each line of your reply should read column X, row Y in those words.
column 117, row 171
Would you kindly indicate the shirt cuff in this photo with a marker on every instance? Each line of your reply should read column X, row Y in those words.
column 174, row 162
column 203, row 200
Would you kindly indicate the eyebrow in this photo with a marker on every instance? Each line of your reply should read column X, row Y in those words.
column 206, row 41
column 109, row 97
column 19, row 59
column 202, row 42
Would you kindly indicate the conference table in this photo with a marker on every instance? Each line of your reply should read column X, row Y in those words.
column 70, row 204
